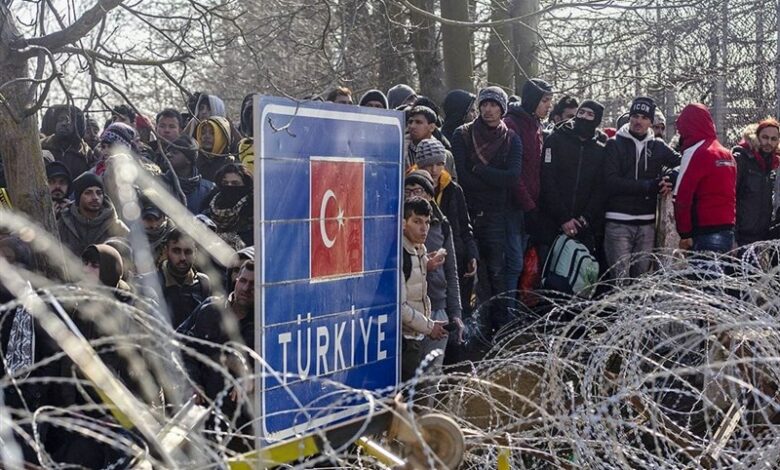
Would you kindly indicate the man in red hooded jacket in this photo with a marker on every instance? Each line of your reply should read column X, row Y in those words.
column 705, row 195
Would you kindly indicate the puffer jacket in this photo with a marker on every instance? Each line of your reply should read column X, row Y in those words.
column 415, row 304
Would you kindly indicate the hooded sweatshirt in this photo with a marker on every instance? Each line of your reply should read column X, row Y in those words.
column 456, row 105
column 209, row 162
column 373, row 95
column 632, row 171
column 705, row 193
column 78, row 232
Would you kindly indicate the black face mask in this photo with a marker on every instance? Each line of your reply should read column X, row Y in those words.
column 230, row 195
column 585, row 128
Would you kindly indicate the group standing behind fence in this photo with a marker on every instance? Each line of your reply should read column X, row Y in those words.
column 493, row 190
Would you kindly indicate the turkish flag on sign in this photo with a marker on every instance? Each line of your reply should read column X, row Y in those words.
column 337, row 192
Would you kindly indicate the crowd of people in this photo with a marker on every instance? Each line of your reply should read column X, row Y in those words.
column 489, row 179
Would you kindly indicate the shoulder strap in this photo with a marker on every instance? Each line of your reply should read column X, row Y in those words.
column 407, row 265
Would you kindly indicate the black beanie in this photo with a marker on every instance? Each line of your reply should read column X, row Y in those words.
column 84, row 181
column 643, row 106
column 58, row 169
column 423, row 178
column 373, row 95
column 597, row 108
column 533, row 92
column 186, row 145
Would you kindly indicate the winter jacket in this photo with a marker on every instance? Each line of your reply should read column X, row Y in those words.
column 756, row 174
column 529, row 129
column 452, row 202
column 181, row 297
column 443, row 288
column 705, row 193
column 74, row 153
column 488, row 188
column 77, row 232
column 415, row 304
column 456, row 105
column 206, row 323
column 572, row 180
column 632, row 171
column 210, row 162
column 195, row 188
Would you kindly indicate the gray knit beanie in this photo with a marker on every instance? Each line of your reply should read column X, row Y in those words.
column 493, row 93
column 429, row 152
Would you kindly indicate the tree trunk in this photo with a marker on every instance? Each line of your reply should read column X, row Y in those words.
column 392, row 47
column 20, row 144
column 426, row 53
column 525, row 42
column 456, row 46
column 499, row 68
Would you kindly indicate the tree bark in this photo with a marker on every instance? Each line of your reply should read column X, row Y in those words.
column 499, row 68
column 525, row 42
column 20, row 145
column 426, row 53
column 456, row 46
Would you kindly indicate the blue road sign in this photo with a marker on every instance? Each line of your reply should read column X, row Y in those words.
column 328, row 178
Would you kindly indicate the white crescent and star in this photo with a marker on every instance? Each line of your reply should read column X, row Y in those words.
column 326, row 240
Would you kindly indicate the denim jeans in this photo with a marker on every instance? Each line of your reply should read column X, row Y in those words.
column 500, row 243
column 624, row 246
column 718, row 242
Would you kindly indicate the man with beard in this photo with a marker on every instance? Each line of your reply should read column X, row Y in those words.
column 182, row 153
column 757, row 162
column 59, row 186
column 572, row 191
column 91, row 219
column 180, row 286
column 634, row 173
column 219, row 321
column 67, row 144
column 489, row 158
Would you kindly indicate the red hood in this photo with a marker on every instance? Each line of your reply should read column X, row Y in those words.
column 695, row 124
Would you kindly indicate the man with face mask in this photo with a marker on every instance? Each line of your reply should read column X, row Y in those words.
column 572, row 190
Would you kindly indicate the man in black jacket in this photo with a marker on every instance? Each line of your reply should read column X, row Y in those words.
column 572, row 192
column 181, row 287
column 219, row 321
column 757, row 161
column 634, row 177
column 489, row 159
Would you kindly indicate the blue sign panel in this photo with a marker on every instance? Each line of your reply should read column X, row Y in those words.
column 328, row 179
